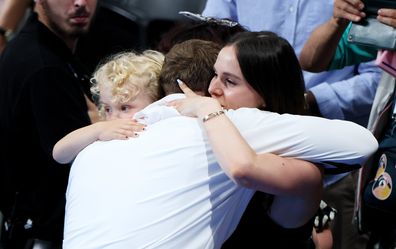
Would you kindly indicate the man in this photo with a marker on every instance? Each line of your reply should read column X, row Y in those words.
column 345, row 94
column 165, row 188
column 42, row 99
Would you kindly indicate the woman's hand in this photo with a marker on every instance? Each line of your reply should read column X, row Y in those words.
column 194, row 105
column 118, row 129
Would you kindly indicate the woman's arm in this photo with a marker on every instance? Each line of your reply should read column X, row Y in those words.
column 264, row 172
column 66, row 149
column 294, row 211
column 294, row 183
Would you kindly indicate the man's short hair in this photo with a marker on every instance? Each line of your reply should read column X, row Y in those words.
column 191, row 61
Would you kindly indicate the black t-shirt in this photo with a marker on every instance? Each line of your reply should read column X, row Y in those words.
column 257, row 230
column 41, row 100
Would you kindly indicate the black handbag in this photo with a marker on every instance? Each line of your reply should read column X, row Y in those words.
column 370, row 32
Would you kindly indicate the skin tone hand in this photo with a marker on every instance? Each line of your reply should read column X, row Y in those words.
column 352, row 10
column 387, row 16
column 117, row 129
column 348, row 9
column 66, row 149
column 194, row 105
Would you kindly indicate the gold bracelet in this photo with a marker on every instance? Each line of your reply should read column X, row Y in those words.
column 212, row 115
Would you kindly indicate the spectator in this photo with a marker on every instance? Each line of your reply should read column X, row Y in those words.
column 42, row 98
column 324, row 50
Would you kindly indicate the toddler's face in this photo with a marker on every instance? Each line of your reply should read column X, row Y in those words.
column 126, row 110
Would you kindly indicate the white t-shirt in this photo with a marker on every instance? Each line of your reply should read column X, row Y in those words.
column 165, row 189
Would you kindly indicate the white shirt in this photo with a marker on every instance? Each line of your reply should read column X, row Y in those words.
column 165, row 189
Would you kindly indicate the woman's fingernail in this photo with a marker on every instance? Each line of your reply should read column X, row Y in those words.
column 179, row 81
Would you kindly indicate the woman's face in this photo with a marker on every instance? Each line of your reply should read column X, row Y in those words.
column 229, row 86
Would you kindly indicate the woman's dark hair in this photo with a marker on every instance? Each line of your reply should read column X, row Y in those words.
column 269, row 64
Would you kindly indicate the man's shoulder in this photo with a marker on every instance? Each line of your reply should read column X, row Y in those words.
column 24, row 51
column 27, row 56
column 35, row 46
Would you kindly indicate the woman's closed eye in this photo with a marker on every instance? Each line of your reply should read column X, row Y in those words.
column 229, row 82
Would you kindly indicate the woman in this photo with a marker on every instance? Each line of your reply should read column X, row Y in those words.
column 259, row 69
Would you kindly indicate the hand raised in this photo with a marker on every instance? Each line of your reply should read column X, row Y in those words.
column 194, row 105
column 348, row 9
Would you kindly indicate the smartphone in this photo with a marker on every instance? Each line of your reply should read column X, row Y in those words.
column 371, row 7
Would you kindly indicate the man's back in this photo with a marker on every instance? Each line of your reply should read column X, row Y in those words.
column 163, row 190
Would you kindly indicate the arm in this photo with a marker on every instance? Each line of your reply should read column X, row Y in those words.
column 294, row 135
column 240, row 162
column 265, row 171
column 319, row 49
column 66, row 149
column 11, row 14
column 285, row 135
column 347, row 94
